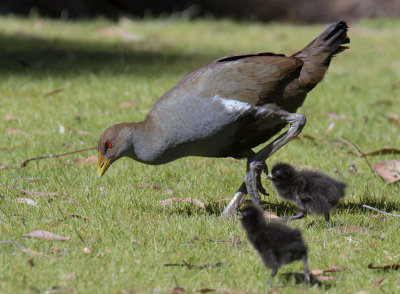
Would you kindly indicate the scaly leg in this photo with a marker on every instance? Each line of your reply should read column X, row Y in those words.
column 294, row 217
column 297, row 122
column 273, row 274
column 306, row 270
column 233, row 206
column 326, row 214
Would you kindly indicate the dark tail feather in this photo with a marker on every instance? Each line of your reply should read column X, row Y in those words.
column 326, row 45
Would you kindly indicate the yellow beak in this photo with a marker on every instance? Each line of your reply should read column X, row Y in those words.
column 102, row 164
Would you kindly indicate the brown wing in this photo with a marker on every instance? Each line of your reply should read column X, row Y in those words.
column 255, row 78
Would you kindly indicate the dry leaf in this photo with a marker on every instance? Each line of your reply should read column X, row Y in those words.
column 175, row 199
column 10, row 117
column 27, row 201
column 394, row 118
column 191, row 266
column 331, row 269
column 222, row 200
column 317, row 272
column 335, row 268
column 268, row 214
column 344, row 256
column 54, row 249
column 168, row 191
column 74, row 215
column 37, row 193
column 145, row 185
column 87, row 250
column 32, row 252
column 329, row 129
column 325, row 278
column 56, row 91
column 378, row 282
column 389, row 170
column 385, row 267
column 128, row 104
column 61, row 128
column 59, row 290
column 45, row 235
column 133, row 240
column 90, row 159
column 80, row 132
column 222, row 290
column 336, row 116
column 2, row 166
column 177, row 290
column 30, row 261
column 14, row 132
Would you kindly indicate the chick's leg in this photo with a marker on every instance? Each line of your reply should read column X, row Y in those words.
column 273, row 274
column 306, row 270
column 294, row 217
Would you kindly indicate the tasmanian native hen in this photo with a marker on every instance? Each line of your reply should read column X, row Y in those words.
column 311, row 191
column 276, row 243
column 226, row 108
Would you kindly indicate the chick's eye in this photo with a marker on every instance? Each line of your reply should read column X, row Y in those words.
column 109, row 145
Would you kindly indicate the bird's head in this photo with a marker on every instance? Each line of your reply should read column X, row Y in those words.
column 281, row 172
column 114, row 143
column 251, row 217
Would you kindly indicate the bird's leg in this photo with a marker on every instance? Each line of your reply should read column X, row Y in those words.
column 237, row 200
column 326, row 214
column 257, row 162
column 273, row 274
column 294, row 217
column 306, row 270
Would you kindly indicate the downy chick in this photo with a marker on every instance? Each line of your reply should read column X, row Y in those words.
column 311, row 191
column 276, row 243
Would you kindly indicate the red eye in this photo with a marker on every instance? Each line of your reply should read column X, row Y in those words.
column 109, row 145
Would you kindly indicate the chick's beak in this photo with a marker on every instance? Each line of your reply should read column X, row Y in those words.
column 269, row 177
column 102, row 164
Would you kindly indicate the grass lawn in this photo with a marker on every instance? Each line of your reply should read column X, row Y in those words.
column 63, row 83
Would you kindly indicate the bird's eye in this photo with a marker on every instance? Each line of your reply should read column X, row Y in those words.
column 109, row 145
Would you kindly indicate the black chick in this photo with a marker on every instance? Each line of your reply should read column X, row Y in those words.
column 276, row 243
column 311, row 191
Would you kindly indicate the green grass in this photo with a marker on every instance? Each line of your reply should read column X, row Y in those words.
column 98, row 72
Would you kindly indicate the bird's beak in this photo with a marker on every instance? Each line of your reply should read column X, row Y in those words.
column 269, row 177
column 102, row 164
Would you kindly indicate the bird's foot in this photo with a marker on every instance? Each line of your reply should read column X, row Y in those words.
column 255, row 169
column 293, row 217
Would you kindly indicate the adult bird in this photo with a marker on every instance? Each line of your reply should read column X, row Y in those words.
column 226, row 108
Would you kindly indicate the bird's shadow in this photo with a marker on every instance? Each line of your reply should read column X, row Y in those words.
column 299, row 279
column 25, row 53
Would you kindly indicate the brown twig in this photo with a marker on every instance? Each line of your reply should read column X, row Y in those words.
column 73, row 227
column 380, row 211
column 190, row 266
column 25, row 161
column 37, row 193
column 362, row 153
column 22, row 247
